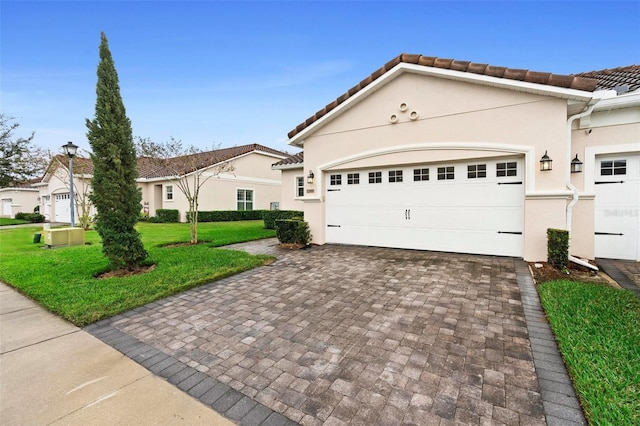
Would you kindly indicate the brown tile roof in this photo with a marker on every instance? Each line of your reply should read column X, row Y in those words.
column 153, row 168
column 28, row 184
column 150, row 168
column 546, row 78
column 609, row 79
column 295, row 159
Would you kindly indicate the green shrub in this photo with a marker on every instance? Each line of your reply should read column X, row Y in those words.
column 30, row 217
column 167, row 216
column 228, row 215
column 558, row 247
column 291, row 231
column 270, row 216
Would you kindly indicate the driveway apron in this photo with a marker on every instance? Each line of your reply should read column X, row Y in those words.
column 347, row 335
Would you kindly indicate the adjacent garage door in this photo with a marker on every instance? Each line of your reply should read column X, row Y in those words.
column 465, row 207
column 62, row 208
column 617, row 207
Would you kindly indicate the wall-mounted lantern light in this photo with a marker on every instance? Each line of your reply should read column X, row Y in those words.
column 576, row 165
column 545, row 162
column 310, row 178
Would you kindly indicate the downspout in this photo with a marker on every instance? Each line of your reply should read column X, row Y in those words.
column 572, row 187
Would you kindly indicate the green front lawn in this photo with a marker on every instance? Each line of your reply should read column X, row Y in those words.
column 598, row 332
column 62, row 279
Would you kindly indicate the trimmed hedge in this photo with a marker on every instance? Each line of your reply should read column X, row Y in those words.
column 558, row 247
column 30, row 217
column 166, row 216
column 270, row 216
column 292, row 231
column 228, row 215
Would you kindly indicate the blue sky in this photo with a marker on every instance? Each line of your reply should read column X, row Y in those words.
column 230, row 73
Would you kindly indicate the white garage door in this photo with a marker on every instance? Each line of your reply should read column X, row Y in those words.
column 470, row 207
column 617, row 207
column 62, row 208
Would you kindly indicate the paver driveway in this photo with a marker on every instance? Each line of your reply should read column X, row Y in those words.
column 359, row 335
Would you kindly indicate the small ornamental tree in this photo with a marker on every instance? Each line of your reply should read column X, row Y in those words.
column 115, row 195
column 189, row 168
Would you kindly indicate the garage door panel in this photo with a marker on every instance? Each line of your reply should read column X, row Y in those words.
column 458, row 215
column 617, row 206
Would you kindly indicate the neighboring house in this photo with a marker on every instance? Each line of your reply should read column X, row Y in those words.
column 53, row 188
column 19, row 198
column 437, row 154
column 250, row 185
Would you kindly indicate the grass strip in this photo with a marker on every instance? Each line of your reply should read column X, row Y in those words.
column 6, row 221
column 598, row 332
column 62, row 279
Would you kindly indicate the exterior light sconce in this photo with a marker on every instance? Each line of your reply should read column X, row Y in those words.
column 310, row 178
column 545, row 162
column 576, row 165
column 70, row 149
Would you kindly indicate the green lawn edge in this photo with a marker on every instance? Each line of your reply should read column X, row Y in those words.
column 597, row 328
column 62, row 279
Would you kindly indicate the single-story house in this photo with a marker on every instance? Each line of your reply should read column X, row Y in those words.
column 237, row 178
column 438, row 154
column 18, row 198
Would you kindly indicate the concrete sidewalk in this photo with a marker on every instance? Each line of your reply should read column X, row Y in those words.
column 52, row 372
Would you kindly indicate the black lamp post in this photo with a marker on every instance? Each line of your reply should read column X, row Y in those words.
column 70, row 149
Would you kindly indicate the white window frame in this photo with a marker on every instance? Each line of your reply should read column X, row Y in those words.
column 168, row 193
column 446, row 173
column 421, row 174
column 476, row 171
column 244, row 200
column 375, row 177
column 507, row 169
column 299, row 187
column 617, row 167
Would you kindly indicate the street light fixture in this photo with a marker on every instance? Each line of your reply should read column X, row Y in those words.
column 70, row 149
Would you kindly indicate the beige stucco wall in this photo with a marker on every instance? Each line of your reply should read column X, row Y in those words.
column 455, row 120
column 22, row 200
column 289, row 199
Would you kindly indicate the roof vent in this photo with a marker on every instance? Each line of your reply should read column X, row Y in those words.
column 621, row 89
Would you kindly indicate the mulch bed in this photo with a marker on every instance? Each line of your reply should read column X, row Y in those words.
column 543, row 272
column 126, row 272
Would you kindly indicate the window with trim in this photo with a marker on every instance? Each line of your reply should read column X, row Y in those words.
column 375, row 177
column 299, row 186
column 353, row 178
column 507, row 169
column 446, row 173
column 614, row 167
column 335, row 179
column 395, row 176
column 476, row 171
column 245, row 199
column 169, row 192
column 420, row 175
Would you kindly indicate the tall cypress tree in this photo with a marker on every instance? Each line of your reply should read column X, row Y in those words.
column 115, row 193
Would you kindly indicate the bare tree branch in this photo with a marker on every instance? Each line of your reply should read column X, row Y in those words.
column 188, row 167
